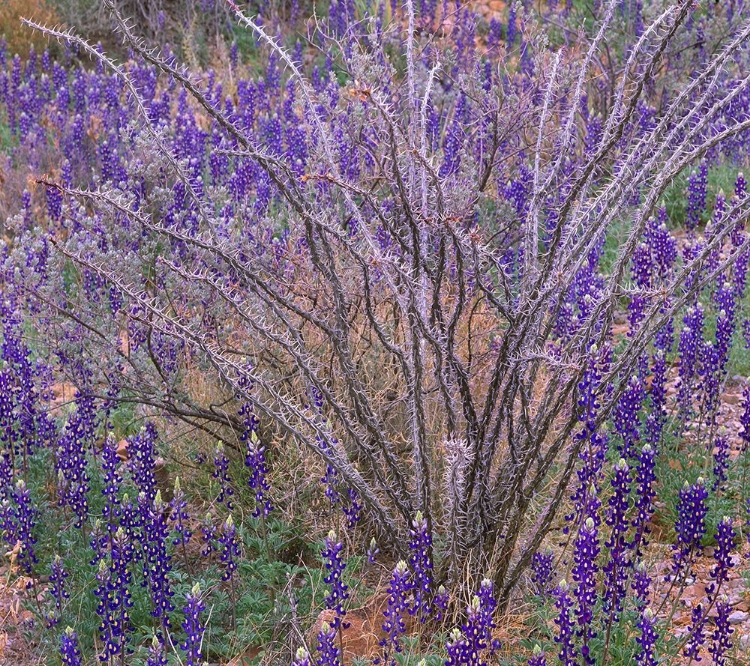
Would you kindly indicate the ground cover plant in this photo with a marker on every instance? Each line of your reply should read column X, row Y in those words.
column 393, row 316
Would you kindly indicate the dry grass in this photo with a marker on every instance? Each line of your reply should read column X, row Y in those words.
column 19, row 38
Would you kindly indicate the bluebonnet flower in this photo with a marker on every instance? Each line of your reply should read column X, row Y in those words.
column 256, row 463
column 690, row 343
column 142, row 460
column 645, row 478
column 440, row 603
column 690, row 525
column 537, row 657
column 353, row 509
column 662, row 244
column 740, row 185
column 721, row 641
column 58, row 589
column 221, row 473
column 71, row 464
column 179, row 516
column 745, row 417
column 156, row 560
column 541, row 567
column 394, row 626
column 484, row 622
column 454, row 138
column 697, row 184
column 586, row 552
column 23, row 520
column 641, row 270
column 301, row 657
column 111, row 480
column 119, row 597
column 565, row 625
column 69, row 652
column 641, row 584
column 512, row 29
column 721, row 461
column 420, row 560
column 494, row 35
column 114, row 599
column 335, row 565
column 722, row 555
column 208, row 535
column 594, row 445
column 458, row 650
column 616, row 568
column 477, row 630
column 98, row 540
column 647, row 639
column 193, row 627
column 131, row 521
column 156, row 655
column 696, row 633
column 54, row 203
column 626, row 416
column 329, row 653
column 466, row 646
column 372, row 551
column 230, row 548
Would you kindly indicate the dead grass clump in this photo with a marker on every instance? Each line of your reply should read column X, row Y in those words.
column 18, row 37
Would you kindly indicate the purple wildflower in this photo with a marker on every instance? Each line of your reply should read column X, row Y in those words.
column 626, row 416
column 57, row 589
column 541, row 567
column 585, row 569
column 24, row 521
column 565, row 625
column 394, row 626
column 640, row 584
column 301, row 658
column 647, row 639
column 696, row 633
column 329, row 653
column 372, row 551
column 111, row 480
column 208, row 535
column 69, row 652
column 721, row 641
column 156, row 654
column 616, row 568
column 178, row 515
column 221, row 472
column 722, row 555
column 142, row 462
column 690, row 525
column 192, row 627
column 440, row 603
column 457, row 647
column 537, row 657
column 156, row 559
column 645, row 478
column 230, row 548
column 721, row 461
column 697, row 183
column 335, row 565
column 256, row 463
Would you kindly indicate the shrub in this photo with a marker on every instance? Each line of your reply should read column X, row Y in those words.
column 393, row 260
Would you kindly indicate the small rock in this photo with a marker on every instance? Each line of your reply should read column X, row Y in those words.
column 731, row 398
column 737, row 617
column 736, row 583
